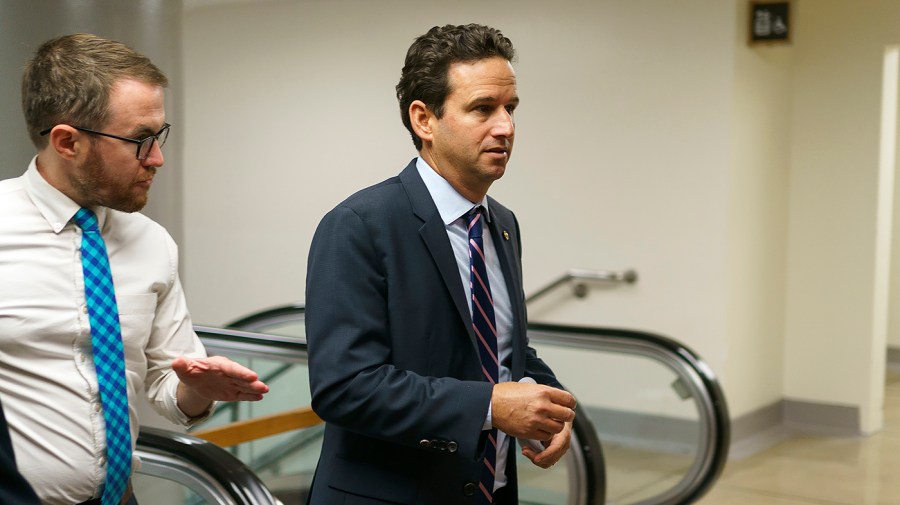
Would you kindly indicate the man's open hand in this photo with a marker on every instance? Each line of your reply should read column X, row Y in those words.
column 204, row 380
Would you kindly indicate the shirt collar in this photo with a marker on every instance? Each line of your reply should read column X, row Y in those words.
column 57, row 208
column 450, row 204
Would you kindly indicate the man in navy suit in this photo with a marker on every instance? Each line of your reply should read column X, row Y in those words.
column 14, row 489
column 394, row 357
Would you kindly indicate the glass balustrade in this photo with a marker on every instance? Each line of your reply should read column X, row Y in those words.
column 653, row 403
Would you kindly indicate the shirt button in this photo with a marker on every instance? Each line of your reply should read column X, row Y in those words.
column 81, row 357
column 97, row 407
column 84, row 309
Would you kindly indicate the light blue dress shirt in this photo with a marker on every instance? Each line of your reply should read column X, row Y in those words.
column 453, row 208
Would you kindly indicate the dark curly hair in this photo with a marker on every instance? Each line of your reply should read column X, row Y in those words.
column 424, row 75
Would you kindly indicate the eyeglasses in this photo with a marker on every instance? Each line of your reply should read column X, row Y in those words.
column 144, row 145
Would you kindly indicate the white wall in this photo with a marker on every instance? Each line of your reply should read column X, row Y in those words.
column 623, row 149
column 757, row 230
column 835, row 332
column 650, row 136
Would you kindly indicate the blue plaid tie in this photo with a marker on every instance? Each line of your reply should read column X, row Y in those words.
column 485, row 328
column 109, row 356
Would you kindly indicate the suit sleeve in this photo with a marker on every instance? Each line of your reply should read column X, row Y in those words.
column 353, row 380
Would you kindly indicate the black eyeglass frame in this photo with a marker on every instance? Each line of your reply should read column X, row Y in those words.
column 139, row 142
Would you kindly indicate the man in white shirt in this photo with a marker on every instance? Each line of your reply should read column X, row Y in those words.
column 95, row 112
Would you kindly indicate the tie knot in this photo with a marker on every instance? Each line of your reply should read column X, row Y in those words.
column 86, row 220
column 473, row 221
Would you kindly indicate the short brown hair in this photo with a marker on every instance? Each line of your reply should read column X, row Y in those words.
column 424, row 75
column 70, row 78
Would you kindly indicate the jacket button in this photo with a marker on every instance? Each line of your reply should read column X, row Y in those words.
column 452, row 446
column 425, row 444
column 440, row 445
column 469, row 488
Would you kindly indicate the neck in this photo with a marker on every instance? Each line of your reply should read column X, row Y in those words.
column 474, row 193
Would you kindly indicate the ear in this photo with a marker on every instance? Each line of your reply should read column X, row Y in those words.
column 66, row 141
column 421, row 118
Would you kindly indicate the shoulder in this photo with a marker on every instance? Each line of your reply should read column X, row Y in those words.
column 389, row 195
column 138, row 230
column 20, row 214
column 14, row 184
column 134, row 222
column 10, row 189
column 375, row 197
column 499, row 210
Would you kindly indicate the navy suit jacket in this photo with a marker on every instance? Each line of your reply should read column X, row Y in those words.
column 393, row 361
column 14, row 489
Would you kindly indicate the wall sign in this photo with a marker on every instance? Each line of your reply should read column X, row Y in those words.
column 770, row 22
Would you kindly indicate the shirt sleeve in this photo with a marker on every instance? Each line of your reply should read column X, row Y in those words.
column 172, row 335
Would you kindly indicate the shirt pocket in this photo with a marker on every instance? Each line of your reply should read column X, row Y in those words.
column 136, row 314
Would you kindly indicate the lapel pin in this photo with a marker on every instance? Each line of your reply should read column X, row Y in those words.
column 505, row 235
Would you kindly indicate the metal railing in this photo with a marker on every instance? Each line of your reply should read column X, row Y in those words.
column 695, row 380
column 207, row 470
column 585, row 461
column 579, row 279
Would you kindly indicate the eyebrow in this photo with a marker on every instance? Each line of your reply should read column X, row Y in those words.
column 143, row 131
column 492, row 99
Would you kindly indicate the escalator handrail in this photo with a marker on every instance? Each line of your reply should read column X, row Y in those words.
column 243, row 342
column 233, row 338
column 591, row 458
column 225, row 471
column 687, row 364
column 234, row 341
column 250, row 321
column 591, row 454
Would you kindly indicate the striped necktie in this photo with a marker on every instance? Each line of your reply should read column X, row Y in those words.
column 109, row 356
column 485, row 327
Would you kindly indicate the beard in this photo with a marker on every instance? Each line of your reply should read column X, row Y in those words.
column 94, row 181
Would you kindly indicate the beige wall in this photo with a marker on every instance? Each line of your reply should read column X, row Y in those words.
column 835, row 333
column 623, row 147
column 738, row 181
column 756, row 234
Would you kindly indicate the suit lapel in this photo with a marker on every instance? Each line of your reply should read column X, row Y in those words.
column 434, row 234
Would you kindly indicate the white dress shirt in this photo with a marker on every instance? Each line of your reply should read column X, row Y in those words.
column 453, row 208
column 47, row 378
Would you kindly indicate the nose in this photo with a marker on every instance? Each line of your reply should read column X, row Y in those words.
column 505, row 125
column 155, row 158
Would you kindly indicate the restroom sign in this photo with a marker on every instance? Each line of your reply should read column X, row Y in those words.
column 770, row 22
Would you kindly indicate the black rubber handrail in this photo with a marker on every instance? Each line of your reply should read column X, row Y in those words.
column 268, row 317
column 687, row 363
column 182, row 456
column 590, row 451
column 719, row 423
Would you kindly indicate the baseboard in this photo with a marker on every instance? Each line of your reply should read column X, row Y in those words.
column 893, row 358
column 750, row 433
column 820, row 418
column 757, row 431
column 765, row 427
